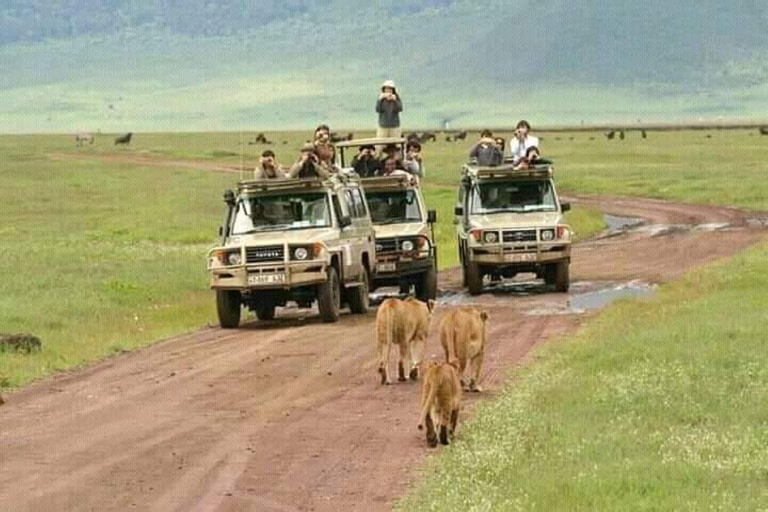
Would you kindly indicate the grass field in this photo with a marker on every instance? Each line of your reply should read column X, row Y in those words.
column 655, row 405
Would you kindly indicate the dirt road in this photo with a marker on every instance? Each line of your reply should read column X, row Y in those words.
column 289, row 415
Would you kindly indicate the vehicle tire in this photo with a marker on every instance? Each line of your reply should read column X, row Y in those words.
column 463, row 263
column 474, row 278
column 426, row 286
column 265, row 311
column 358, row 297
column 562, row 278
column 329, row 297
column 228, row 307
column 550, row 273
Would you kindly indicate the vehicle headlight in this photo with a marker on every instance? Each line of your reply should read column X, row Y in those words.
column 407, row 246
column 300, row 253
column 490, row 237
column 547, row 235
column 234, row 258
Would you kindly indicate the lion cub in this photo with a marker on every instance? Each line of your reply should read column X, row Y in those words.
column 463, row 334
column 440, row 401
column 404, row 323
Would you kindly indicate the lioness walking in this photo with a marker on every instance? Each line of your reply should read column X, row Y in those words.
column 404, row 323
column 462, row 334
column 440, row 401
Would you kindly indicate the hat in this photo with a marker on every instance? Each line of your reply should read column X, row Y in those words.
column 389, row 83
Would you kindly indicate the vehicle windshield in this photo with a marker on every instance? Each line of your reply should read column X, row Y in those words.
column 513, row 196
column 393, row 206
column 279, row 212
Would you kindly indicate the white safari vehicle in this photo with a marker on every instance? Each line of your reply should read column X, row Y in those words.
column 406, row 253
column 509, row 222
column 300, row 240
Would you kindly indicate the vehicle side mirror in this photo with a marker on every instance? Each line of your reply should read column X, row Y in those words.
column 431, row 216
column 229, row 197
column 458, row 211
column 221, row 230
column 344, row 221
column 566, row 207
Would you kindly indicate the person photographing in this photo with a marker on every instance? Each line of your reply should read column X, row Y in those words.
column 388, row 106
column 521, row 141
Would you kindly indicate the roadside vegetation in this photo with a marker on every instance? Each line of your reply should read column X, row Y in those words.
column 654, row 405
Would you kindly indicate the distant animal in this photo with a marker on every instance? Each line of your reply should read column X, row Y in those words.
column 644, row 134
column 621, row 134
column 404, row 323
column 83, row 138
column 260, row 139
column 463, row 333
column 124, row 139
column 440, row 402
column 20, row 343
column 460, row 135
column 764, row 130
column 709, row 136
column 424, row 137
column 336, row 137
column 448, row 138
column 610, row 134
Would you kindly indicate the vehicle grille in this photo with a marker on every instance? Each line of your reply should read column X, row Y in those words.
column 386, row 245
column 520, row 235
column 261, row 254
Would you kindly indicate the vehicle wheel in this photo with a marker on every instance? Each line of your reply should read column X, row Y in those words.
column 329, row 297
column 549, row 273
column 474, row 278
column 426, row 286
column 265, row 311
column 228, row 307
column 562, row 278
column 358, row 297
column 463, row 263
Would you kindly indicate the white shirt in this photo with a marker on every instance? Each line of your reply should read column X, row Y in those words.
column 517, row 149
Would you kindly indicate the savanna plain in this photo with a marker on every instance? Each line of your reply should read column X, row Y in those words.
column 653, row 404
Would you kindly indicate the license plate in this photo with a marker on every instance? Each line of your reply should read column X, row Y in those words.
column 520, row 258
column 386, row 267
column 266, row 278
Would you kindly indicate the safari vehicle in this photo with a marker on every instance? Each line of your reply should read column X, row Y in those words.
column 509, row 222
column 299, row 240
column 406, row 254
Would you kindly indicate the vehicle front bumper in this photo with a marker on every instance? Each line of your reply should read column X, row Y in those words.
column 246, row 277
column 520, row 255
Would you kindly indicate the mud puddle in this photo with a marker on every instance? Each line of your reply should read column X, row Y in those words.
column 616, row 223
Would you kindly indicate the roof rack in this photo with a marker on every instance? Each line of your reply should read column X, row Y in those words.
column 391, row 181
column 345, row 176
column 376, row 141
column 507, row 171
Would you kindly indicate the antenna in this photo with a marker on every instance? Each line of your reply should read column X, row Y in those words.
column 242, row 156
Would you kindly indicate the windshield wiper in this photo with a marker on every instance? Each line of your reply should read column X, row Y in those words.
column 267, row 227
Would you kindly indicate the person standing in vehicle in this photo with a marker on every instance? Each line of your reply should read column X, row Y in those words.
column 413, row 162
column 268, row 168
column 365, row 162
column 324, row 150
column 308, row 165
column 486, row 151
column 521, row 141
column 389, row 107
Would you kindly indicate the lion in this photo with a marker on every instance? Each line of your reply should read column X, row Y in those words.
column 463, row 332
column 404, row 323
column 440, row 401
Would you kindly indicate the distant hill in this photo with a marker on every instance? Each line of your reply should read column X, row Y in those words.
column 225, row 64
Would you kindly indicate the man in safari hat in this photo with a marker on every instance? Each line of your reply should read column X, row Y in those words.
column 389, row 107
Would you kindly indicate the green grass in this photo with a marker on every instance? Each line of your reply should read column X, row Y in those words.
column 655, row 405
column 99, row 259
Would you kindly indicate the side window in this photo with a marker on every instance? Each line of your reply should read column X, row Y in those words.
column 360, row 202
column 340, row 206
column 351, row 203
